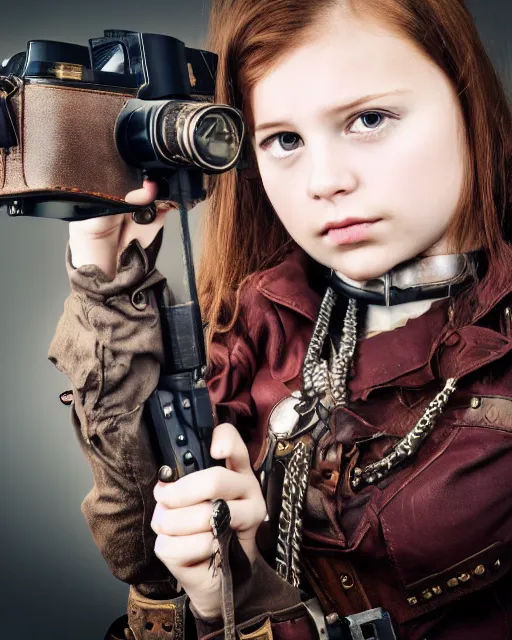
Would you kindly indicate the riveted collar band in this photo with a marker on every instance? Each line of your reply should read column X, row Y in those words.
column 424, row 278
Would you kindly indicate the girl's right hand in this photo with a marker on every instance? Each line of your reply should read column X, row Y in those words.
column 183, row 511
column 100, row 241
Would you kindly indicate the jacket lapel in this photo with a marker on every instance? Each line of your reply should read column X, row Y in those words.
column 429, row 347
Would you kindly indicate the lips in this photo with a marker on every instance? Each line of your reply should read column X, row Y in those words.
column 349, row 231
column 347, row 222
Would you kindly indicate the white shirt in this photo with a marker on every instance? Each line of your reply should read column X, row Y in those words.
column 381, row 318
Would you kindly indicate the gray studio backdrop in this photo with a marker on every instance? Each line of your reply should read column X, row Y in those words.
column 54, row 584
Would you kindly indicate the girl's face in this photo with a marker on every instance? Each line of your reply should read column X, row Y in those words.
column 360, row 145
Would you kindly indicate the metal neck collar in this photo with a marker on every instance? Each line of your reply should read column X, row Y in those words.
column 418, row 279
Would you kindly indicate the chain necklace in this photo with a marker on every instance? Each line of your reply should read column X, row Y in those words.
column 325, row 387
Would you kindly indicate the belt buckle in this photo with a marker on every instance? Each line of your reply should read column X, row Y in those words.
column 373, row 624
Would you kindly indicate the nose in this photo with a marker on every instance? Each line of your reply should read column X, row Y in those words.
column 330, row 172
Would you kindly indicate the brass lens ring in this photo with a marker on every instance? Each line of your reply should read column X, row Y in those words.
column 187, row 140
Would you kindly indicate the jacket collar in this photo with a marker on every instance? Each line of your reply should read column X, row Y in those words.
column 441, row 343
column 287, row 284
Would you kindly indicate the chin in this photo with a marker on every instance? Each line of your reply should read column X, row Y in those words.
column 360, row 271
column 369, row 261
column 364, row 262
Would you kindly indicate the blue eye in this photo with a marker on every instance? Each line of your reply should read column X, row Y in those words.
column 288, row 141
column 372, row 119
column 369, row 123
column 281, row 145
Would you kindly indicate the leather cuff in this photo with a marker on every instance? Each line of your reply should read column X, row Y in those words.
column 155, row 619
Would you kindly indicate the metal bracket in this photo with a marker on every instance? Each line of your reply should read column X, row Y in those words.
column 373, row 624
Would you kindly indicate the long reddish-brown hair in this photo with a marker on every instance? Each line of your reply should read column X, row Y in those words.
column 242, row 233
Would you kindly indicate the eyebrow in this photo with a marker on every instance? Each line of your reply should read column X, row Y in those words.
column 349, row 106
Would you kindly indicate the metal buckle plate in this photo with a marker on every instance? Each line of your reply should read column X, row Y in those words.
column 374, row 624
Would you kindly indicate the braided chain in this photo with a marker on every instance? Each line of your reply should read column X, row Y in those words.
column 290, row 519
column 318, row 381
column 343, row 359
column 315, row 373
column 410, row 443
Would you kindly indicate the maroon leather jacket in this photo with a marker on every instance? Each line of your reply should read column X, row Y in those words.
column 431, row 543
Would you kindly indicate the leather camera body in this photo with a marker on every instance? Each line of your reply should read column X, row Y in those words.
column 66, row 146
column 80, row 126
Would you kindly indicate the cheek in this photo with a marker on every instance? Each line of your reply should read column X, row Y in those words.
column 282, row 190
column 424, row 175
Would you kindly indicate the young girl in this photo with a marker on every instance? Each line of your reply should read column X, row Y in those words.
column 357, row 285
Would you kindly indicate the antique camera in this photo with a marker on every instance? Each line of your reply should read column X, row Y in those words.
column 81, row 126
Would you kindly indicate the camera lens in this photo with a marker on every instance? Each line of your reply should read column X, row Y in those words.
column 216, row 139
column 184, row 133
column 207, row 136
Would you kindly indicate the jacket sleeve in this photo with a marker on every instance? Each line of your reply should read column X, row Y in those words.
column 108, row 343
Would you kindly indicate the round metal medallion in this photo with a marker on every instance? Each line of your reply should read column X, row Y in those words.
column 284, row 419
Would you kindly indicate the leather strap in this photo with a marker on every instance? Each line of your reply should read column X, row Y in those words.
column 222, row 532
column 336, row 584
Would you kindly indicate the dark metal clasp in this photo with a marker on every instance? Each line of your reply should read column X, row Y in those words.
column 373, row 624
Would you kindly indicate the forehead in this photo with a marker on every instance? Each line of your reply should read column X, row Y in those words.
column 344, row 58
